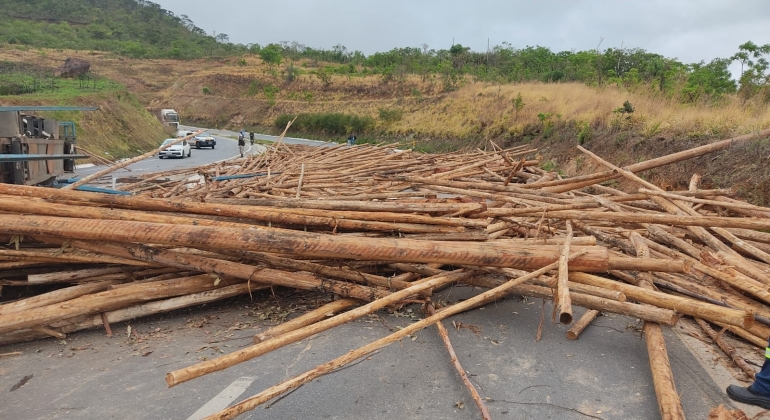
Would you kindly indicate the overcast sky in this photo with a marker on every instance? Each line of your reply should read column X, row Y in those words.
column 690, row 30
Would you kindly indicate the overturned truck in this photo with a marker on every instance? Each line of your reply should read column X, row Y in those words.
column 36, row 150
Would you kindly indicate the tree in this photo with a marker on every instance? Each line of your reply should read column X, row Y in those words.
column 222, row 38
column 458, row 50
column 712, row 80
column 271, row 55
column 754, row 67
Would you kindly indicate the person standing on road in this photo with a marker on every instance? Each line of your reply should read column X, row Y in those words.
column 351, row 140
column 251, row 137
column 241, row 144
column 757, row 393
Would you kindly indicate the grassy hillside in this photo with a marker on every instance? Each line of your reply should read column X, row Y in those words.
column 140, row 29
column 120, row 128
column 249, row 95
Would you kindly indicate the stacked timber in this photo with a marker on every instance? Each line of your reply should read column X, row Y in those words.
column 376, row 226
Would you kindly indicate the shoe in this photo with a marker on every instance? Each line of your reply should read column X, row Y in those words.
column 748, row 396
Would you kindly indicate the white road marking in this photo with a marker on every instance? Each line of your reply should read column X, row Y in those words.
column 224, row 398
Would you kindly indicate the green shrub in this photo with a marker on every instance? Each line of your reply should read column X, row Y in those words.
column 206, row 90
column 390, row 115
column 270, row 92
column 254, row 87
column 518, row 103
column 585, row 132
column 327, row 123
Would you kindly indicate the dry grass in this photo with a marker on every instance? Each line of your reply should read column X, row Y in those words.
column 474, row 110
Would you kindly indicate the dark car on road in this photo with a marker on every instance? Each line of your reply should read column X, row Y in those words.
column 203, row 140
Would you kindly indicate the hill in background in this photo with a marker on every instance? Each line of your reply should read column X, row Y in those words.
column 132, row 28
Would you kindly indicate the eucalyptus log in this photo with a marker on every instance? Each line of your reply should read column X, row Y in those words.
column 70, row 276
column 668, row 399
column 564, row 303
column 753, row 235
column 686, row 306
column 270, row 215
column 58, row 256
column 53, row 297
column 133, row 312
column 105, row 301
column 582, row 182
column 647, row 313
column 585, row 320
column 458, row 367
column 256, row 274
column 305, row 244
column 342, row 273
column 740, row 332
column 665, row 219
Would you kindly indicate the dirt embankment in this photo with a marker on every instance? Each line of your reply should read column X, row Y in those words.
column 744, row 167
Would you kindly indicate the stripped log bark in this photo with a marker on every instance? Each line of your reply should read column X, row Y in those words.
column 105, row 301
column 668, row 399
column 563, row 303
column 584, row 321
column 302, row 244
column 686, row 306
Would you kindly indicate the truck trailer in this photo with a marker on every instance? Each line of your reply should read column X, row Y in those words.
column 36, row 150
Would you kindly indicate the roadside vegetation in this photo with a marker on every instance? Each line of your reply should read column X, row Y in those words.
column 120, row 128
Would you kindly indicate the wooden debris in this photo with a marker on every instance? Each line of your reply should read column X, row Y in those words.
column 366, row 224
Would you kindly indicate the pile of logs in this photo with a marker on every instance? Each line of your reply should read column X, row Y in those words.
column 376, row 227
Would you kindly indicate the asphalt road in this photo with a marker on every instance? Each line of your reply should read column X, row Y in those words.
column 603, row 375
column 265, row 137
column 226, row 148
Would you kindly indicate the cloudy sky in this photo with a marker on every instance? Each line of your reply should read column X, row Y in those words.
column 690, row 30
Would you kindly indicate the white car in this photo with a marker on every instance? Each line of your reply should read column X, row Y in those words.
column 180, row 150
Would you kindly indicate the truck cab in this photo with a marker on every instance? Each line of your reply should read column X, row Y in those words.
column 169, row 118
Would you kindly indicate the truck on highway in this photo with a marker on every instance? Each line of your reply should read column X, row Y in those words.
column 169, row 118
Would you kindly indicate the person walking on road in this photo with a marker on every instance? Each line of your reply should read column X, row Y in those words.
column 757, row 393
column 241, row 144
column 251, row 137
